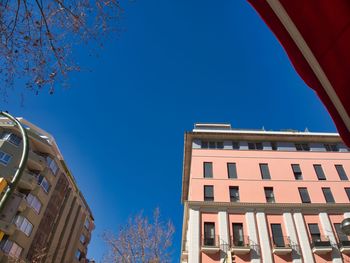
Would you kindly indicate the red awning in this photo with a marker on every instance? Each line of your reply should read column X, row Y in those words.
column 316, row 37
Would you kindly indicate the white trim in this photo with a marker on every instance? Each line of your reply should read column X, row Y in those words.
column 292, row 234
column 303, row 238
column 264, row 237
column 193, row 244
column 223, row 234
column 328, row 231
column 298, row 39
column 253, row 237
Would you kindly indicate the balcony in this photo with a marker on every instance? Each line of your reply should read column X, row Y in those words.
column 344, row 246
column 240, row 245
column 281, row 245
column 28, row 180
column 36, row 160
column 210, row 245
column 7, row 228
column 320, row 245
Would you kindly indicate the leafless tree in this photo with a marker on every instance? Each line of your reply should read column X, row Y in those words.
column 141, row 241
column 37, row 36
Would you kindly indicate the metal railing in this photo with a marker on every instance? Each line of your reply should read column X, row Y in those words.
column 280, row 241
column 240, row 241
column 210, row 241
column 319, row 241
column 344, row 243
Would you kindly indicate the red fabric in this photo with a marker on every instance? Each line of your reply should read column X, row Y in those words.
column 325, row 26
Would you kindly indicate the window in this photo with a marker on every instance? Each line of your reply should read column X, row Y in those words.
column 208, row 193
column 340, row 233
column 238, row 238
column 5, row 158
column 304, row 195
column 51, row 163
column 82, row 239
column 87, row 223
column 314, row 232
column 11, row 248
column 212, row 144
column 274, row 146
column 264, row 169
column 234, row 194
column 78, row 254
column 209, row 234
column 302, row 147
column 23, row 224
column 232, row 170
column 12, row 138
column 297, row 172
column 255, row 146
column 277, row 235
column 347, row 191
column 34, row 202
column 45, row 185
column 319, row 172
column 341, row 172
column 328, row 195
column 270, row 198
column 235, row 145
column 331, row 147
column 208, row 169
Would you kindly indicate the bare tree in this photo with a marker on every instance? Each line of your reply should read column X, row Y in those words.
column 37, row 36
column 141, row 241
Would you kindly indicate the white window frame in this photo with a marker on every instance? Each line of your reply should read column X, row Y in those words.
column 5, row 158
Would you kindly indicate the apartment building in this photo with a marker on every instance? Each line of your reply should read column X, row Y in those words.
column 264, row 196
column 47, row 218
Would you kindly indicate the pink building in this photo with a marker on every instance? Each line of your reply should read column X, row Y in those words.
column 264, row 196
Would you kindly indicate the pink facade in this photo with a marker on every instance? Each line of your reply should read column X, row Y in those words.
column 245, row 202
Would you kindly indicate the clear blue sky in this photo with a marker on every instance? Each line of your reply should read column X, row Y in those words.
column 121, row 125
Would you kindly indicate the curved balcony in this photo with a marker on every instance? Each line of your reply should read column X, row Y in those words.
column 281, row 245
column 36, row 160
column 210, row 245
column 7, row 228
column 28, row 180
column 240, row 245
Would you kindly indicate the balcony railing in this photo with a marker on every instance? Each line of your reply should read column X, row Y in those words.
column 344, row 246
column 240, row 241
column 320, row 244
column 280, row 241
column 320, row 241
column 210, row 241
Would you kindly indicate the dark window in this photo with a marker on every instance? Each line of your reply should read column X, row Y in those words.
column 319, row 172
column 347, row 190
column 274, row 146
column 220, row 145
column 277, row 235
column 204, row 145
column 208, row 193
column 238, row 238
column 255, row 146
column 328, row 195
column 212, row 145
column 235, row 145
column 209, row 234
column 341, row 172
column 331, row 147
column 208, row 169
column 340, row 233
column 270, row 198
column 302, row 147
column 234, row 194
column 314, row 232
column 264, row 169
column 231, row 170
column 304, row 195
column 297, row 172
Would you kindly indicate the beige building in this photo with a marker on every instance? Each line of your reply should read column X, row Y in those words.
column 47, row 216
